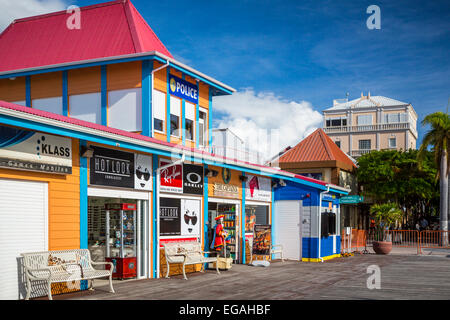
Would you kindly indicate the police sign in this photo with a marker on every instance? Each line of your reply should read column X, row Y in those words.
column 183, row 89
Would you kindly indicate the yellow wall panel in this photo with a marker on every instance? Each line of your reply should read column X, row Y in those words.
column 159, row 78
column 176, row 73
column 125, row 75
column 63, row 211
column 160, row 136
column 12, row 90
column 46, row 85
column 203, row 95
column 85, row 80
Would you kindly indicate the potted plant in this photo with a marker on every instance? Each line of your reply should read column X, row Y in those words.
column 385, row 215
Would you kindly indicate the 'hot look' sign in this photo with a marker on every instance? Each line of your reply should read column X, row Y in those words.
column 116, row 168
column 34, row 151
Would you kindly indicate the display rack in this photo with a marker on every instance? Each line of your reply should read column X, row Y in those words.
column 121, row 239
column 229, row 224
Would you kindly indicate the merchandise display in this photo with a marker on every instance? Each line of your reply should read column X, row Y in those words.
column 228, row 211
column 121, row 238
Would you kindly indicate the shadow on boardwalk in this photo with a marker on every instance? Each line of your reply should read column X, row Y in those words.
column 402, row 277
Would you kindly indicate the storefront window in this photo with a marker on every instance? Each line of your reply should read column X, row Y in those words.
column 255, row 214
column 117, row 242
column 229, row 225
column 159, row 107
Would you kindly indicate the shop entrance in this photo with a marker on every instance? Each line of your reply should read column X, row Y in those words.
column 230, row 224
column 125, row 242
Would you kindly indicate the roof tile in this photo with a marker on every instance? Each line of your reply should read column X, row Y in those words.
column 107, row 30
column 316, row 147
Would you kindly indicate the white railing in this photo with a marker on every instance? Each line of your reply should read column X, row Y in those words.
column 235, row 154
column 360, row 152
column 370, row 127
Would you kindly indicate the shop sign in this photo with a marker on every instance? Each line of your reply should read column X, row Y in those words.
column 257, row 188
column 35, row 151
column 190, row 221
column 169, row 216
column 109, row 167
column 225, row 190
column 143, row 172
column 192, row 179
column 179, row 217
column 171, row 179
column 183, row 89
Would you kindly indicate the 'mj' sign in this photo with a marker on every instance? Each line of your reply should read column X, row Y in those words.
column 183, row 89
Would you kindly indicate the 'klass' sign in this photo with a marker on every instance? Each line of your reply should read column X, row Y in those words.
column 183, row 89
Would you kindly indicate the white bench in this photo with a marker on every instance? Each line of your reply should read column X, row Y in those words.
column 63, row 266
column 277, row 249
column 187, row 253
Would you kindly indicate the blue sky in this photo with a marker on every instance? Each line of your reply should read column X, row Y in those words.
column 305, row 53
column 313, row 50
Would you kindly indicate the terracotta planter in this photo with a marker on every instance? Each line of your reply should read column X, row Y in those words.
column 382, row 247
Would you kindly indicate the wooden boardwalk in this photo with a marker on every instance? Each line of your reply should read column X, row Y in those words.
column 402, row 277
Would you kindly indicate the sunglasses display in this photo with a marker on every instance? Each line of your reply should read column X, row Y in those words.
column 143, row 175
column 193, row 219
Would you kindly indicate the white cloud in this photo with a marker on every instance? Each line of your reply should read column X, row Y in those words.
column 15, row 9
column 266, row 123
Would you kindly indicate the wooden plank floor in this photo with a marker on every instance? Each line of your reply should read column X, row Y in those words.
column 402, row 277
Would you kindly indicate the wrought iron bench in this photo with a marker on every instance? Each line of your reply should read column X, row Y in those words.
column 63, row 266
column 277, row 248
column 187, row 253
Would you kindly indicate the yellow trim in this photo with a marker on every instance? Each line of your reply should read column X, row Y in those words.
column 324, row 258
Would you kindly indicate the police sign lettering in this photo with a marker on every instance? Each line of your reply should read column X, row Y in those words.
column 183, row 89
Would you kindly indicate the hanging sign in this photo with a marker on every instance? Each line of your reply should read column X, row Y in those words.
column 192, row 179
column 34, row 151
column 183, row 89
column 171, row 177
column 257, row 188
column 352, row 199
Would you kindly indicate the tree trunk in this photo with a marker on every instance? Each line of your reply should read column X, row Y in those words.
column 444, row 192
column 444, row 198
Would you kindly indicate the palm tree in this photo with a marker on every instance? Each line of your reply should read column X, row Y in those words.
column 439, row 138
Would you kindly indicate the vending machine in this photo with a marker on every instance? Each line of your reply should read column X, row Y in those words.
column 121, row 239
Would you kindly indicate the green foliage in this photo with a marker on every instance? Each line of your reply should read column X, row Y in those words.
column 386, row 214
column 438, row 138
column 396, row 176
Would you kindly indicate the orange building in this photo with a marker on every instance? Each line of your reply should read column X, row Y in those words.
column 94, row 117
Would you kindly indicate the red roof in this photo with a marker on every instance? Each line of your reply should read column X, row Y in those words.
column 107, row 30
column 316, row 147
column 86, row 124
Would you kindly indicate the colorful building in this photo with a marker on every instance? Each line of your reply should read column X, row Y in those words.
column 318, row 157
column 102, row 118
